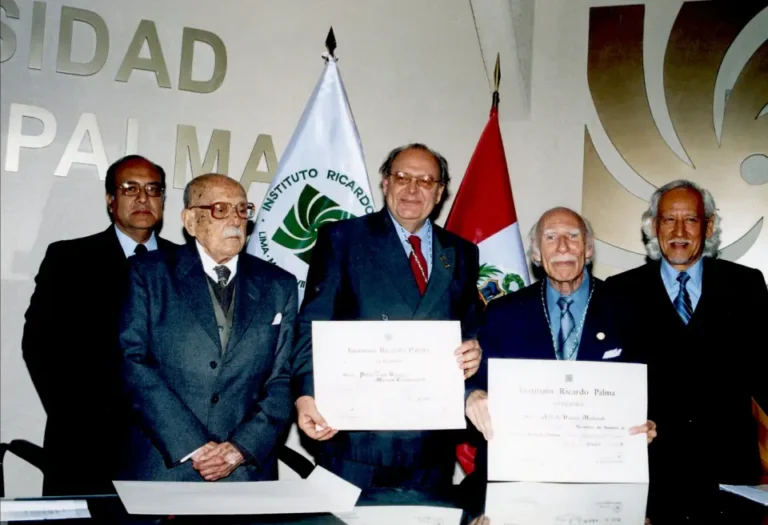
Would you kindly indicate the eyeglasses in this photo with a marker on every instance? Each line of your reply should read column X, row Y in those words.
column 404, row 179
column 131, row 189
column 221, row 210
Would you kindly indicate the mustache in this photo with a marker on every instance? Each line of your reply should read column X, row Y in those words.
column 562, row 258
column 232, row 231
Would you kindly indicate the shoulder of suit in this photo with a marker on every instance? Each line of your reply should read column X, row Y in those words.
column 82, row 244
column 165, row 244
column 522, row 300
column 452, row 239
column 644, row 273
column 732, row 271
column 268, row 270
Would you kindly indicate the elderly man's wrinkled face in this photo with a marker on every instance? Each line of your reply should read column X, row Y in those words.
column 564, row 246
column 222, row 238
column 412, row 189
column 681, row 227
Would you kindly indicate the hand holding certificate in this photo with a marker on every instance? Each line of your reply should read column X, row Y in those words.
column 566, row 421
column 388, row 375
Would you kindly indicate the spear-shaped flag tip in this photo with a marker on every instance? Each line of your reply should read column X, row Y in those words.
column 330, row 42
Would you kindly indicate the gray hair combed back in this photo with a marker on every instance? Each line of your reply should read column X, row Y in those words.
column 711, row 245
column 386, row 167
column 534, row 234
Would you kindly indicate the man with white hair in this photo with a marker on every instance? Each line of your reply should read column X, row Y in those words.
column 566, row 316
column 699, row 324
column 206, row 335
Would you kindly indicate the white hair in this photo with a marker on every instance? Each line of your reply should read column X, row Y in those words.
column 711, row 244
column 534, row 235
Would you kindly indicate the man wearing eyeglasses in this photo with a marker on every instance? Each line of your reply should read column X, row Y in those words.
column 70, row 335
column 391, row 265
column 206, row 333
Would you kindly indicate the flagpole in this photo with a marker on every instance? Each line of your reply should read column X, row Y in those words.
column 496, row 81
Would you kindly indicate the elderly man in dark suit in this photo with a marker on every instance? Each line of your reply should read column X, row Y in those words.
column 699, row 324
column 566, row 316
column 394, row 264
column 79, row 289
column 206, row 334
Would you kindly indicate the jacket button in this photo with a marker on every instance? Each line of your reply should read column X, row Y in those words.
column 215, row 398
column 214, row 364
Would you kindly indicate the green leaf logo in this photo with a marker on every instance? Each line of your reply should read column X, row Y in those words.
column 299, row 229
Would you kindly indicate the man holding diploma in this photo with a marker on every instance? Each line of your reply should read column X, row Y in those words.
column 566, row 316
column 390, row 265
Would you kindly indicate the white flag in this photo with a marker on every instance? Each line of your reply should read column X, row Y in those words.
column 321, row 178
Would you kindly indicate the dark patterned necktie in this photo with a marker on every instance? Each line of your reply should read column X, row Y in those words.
column 140, row 248
column 566, row 325
column 223, row 273
column 418, row 263
column 683, row 300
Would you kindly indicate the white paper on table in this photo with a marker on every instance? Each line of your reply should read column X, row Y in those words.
column 38, row 510
column 322, row 491
column 758, row 494
column 527, row 503
column 388, row 375
column 404, row 515
column 567, row 421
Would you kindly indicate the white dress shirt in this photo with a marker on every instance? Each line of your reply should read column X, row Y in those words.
column 129, row 245
column 209, row 264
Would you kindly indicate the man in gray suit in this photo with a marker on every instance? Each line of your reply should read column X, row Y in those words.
column 206, row 334
column 394, row 264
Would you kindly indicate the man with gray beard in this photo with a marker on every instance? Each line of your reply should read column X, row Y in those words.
column 699, row 324
column 205, row 334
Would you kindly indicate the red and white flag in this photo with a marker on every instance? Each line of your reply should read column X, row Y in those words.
column 484, row 213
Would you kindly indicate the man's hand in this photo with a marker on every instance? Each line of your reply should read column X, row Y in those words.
column 217, row 462
column 481, row 520
column 311, row 422
column 648, row 428
column 202, row 450
column 478, row 414
column 469, row 354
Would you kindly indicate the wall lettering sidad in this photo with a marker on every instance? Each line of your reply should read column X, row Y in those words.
column 188, row 151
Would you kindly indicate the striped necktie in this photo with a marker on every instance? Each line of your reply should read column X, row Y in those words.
column 567, row 325
column 683, row 300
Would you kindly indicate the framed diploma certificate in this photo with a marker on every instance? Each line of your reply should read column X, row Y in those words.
column 388, row 375
column 567, row 421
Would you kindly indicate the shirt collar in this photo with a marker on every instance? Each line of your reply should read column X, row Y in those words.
column 580, row 295
column 423, row 233
column 669, row 274
column 129, row 245
column 209, row 264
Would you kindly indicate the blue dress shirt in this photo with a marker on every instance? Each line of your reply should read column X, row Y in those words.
column 129, row 244
column 577, row 309
column 424, row 233
column 669, row 276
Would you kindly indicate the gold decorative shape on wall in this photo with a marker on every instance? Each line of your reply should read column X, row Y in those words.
column 734, row 169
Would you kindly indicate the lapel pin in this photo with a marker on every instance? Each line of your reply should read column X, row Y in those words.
column 600, row 336
column 445, row 261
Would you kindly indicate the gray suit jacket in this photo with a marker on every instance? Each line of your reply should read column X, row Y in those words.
column 183, row 392
column 359, row 271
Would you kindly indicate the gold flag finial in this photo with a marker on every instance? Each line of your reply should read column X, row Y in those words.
column 496, row 81
column 330, row 42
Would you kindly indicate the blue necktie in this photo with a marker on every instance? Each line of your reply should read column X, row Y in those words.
column 566, row 325
column 683, row 300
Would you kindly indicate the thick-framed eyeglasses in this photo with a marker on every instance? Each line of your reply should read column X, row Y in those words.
column 402, row 178
column 221, row 210
column 152, row 189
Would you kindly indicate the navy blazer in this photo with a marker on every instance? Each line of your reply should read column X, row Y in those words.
column 359, row 271
column 182, row 390
column 515, row 326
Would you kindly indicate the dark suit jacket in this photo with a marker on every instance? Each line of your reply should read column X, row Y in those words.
column 515, row 326
column 70, row 348
column 183, row 392
column 701, row 377
column 359, row 271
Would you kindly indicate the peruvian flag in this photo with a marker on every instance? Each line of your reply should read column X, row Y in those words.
column 484, row 213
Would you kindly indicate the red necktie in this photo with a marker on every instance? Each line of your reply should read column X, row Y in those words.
column 418, row 263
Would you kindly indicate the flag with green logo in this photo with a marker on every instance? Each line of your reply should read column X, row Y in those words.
column 321, row 178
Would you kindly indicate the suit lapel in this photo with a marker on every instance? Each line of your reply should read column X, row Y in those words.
column 709, row 282
column 590, row 347
column 540, row 336
column 443, row 263
column 192, row 282
column 389, row 254
column 247, row 296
